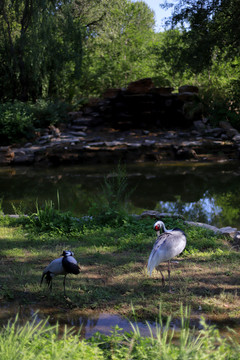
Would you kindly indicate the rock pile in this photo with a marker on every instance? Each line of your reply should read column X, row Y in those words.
column 140, row 105
column 132, row 125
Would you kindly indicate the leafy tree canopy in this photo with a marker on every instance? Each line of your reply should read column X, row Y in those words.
column 117, row 51
column 41, row 45
column 205, row 25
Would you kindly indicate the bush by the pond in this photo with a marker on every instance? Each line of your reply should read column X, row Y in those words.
column 111, row 206
column 38, row 341
column 50, row 219
column 19, row 120
column 16, row 121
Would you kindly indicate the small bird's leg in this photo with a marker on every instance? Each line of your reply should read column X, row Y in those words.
column 64, row 284
column 50, row 285
column 42, row 279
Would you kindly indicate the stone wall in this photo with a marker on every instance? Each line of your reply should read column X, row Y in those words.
column 141, row 105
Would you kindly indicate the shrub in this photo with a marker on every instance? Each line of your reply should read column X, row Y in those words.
column 221, row 102
column 20, row 120
column 49, row 218
column 49, row 113
column 110, row 207
column 16, row 122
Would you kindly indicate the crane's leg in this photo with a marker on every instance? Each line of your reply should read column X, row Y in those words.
column 64, row 284
column 169, row 272
column 163, row 278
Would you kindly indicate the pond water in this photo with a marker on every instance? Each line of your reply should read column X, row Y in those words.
column 202, row 192
column 88, row 323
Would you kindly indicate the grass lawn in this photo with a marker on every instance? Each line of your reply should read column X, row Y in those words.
column 113, row 275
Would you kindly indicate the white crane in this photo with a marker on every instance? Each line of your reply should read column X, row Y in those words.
column 64, row 265
column 168, row 245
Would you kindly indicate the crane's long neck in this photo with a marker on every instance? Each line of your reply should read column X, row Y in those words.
column 164, row 229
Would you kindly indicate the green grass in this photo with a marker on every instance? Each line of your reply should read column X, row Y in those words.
column 113, row 278
column 36, row 340
column 113, row 268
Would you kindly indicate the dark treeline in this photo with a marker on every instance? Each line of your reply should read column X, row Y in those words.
column 56, row 53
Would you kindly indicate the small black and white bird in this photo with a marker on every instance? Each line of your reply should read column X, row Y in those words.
column 168, row 245
column 64, row 265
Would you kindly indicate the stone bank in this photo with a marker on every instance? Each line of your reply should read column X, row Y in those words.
column 138, row 124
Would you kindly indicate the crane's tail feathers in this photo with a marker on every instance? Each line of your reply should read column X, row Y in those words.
column 48, row 278
column 150, row 269
column 153, row 261
column 150, row 266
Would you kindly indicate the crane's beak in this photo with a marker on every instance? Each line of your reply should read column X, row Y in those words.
column 158, row 230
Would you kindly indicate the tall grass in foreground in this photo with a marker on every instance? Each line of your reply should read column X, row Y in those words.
column 35, row 340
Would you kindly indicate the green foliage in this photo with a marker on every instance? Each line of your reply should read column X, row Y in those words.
column 169, row 65
column 163, row 346
column 50, row 219
column 47, row 112
column 40, row 49
column 1, row 209
column 220, row 99
column 200, row 239
column 229, row 202
column 111, row 205
column 19, row 120
column 36, row 340
column 16, row 122
column 77, row 49
column 206, row 24
column 118, row 51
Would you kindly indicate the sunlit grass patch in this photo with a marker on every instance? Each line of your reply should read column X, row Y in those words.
column 14, row 252
column 200, row 239
column 10, row 233
column 225, row 302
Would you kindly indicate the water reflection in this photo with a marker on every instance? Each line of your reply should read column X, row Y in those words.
column 77, row 321
column 86, row 324
column 201, row 192
column 204, row 210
